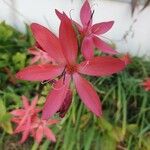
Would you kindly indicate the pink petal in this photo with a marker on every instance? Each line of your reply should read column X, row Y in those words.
column 85, row 14
column 26, row 131
column 25, row 102
column 59, row 14
column 51, row 122
column 48, row 41
column 39, row 72
column 39, row 134
column 18, row 112
column 66, row 104
column 87, row 48
column 103, row 46
column 34, row 60
column 101, row 28
column 68, row 40
column 34, row 102
column 62, row 15
column 22, row 123
column 15, row 120
column 25, row 135
column 88, row 94
column 21, row 129
column 56, row 98
column 49, row 134
column 33, row 51
column 101, row 66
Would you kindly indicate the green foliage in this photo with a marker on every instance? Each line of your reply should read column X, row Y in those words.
column 5, row 118
column 126, row 106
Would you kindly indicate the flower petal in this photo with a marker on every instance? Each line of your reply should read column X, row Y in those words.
column 39, row 134
column 103, row 46
column 56, row 97
column 62, row 15
column 68, row 40
column 18, row 112
column 49, row 134
column 26, row 131
column 53, row 121
column 34, row 102
column 101, row 28
column 48, row 41
column 101, row 66
column 39, row 72
column 59, row 14
column 87, row 48
column 85, row 14
column 88, row 94
column 25, row 102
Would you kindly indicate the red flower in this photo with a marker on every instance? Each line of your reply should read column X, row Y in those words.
column 146, row 84
column 23, row 117
column 64, row 51
column 90, row 32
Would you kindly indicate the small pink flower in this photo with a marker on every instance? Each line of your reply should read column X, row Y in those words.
column 23, row 117
column 28, row 122
column 39, row 56
column 64, row 51
column 91, row 32
column 146, row 84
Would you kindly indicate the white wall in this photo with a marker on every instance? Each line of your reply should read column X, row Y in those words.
column 42, row 11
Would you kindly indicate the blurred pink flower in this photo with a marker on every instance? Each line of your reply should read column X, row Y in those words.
column 40, row 128
column 64, row 52
column 24, row 116
column 146, row 84
column 29, row 123
column 39, row 56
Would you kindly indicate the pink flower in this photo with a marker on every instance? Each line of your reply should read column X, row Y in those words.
column 146, row 84
column 64, row 51
column 28, row 122
column 39, row 56
column 24, row 116
column 91, row 32
column 40, row 128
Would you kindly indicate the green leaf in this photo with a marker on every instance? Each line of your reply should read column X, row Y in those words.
column 5, row 118
column 19, row 60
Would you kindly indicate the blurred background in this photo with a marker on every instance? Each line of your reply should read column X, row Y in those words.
column 130, row 33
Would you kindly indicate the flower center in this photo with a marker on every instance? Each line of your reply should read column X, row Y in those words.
column 70, row 69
